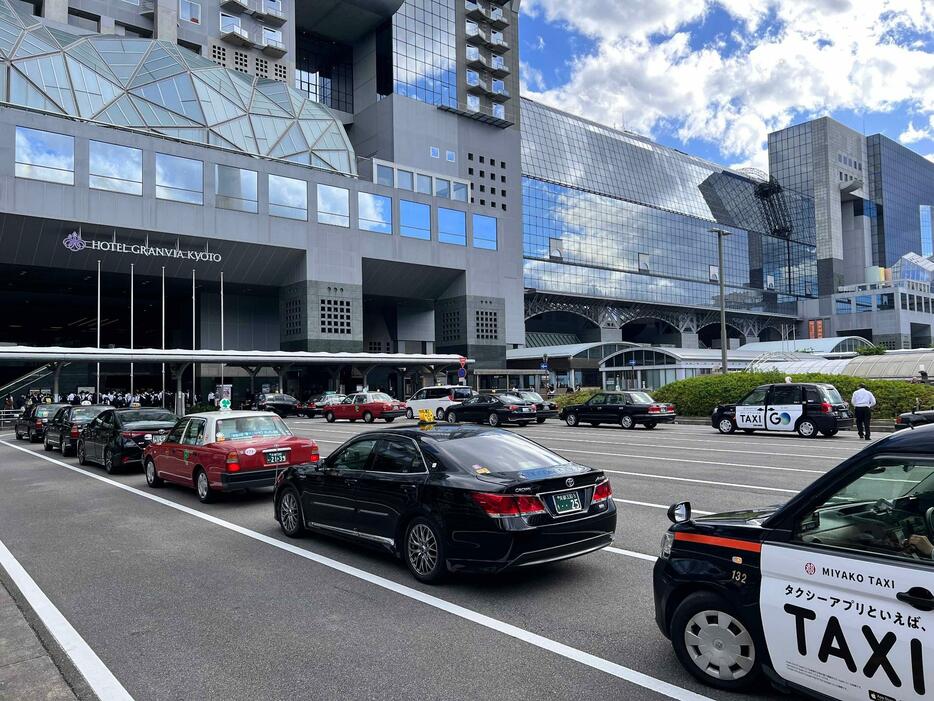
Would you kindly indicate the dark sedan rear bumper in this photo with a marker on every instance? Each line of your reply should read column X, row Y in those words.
column 655, row 418
column 516, row 416
column 249, row 479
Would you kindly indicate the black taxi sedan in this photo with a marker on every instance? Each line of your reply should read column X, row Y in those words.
column 63, row 430
column 831, row 595
column 626, row 409
column 448, row 498
column 31, row 424
column 116, row 437
column 544, row 409
column 493, row 409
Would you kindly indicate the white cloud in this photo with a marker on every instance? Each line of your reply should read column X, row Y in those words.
column 817, row 56
column 530, row 78
column 912, row 135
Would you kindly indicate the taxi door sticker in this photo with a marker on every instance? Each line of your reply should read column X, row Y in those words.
column 782, row 417
column 750, row 416
column 835, row 625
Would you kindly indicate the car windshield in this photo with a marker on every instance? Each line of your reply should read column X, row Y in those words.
column 380, row 397
column 250, row 427
column 832, row 395
column 85, row 413
column 147, row 415
column 889, row 478
column 533, row 396
column 498, row 452
column 640, row 398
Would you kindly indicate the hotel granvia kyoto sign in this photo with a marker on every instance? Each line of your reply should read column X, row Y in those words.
column 75, row 242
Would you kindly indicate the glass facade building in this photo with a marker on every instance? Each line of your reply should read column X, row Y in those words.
column 424, row 51
column 324, row 71
column 611, row 215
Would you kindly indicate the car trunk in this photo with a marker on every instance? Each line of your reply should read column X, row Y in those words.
column 144, row 432
column 269, row 453
column 562, row 500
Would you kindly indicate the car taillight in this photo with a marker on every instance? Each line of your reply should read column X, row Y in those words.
column 38, row 423
column 508, row 505
column 826, row 407
column 899, row 420
column 655, row 409
column 233, row 461
column 603, row 492
column 671, row 407
column 74, row 431
column 512, row 407
column 314, row 457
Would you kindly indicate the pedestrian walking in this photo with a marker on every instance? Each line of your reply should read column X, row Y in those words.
column 863, row 402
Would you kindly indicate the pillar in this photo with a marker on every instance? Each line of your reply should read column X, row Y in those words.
column 165, row 20
column 56, row 374
column 689, row 340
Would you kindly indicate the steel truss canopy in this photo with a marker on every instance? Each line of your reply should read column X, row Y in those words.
column 59, row 354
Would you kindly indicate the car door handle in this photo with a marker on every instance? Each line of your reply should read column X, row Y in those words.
column 919, row 597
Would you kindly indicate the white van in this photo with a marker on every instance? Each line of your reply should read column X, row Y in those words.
column 438, row 399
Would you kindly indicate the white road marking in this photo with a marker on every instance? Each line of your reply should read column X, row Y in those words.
column 631, row 553
column 699, row 462
column 95, row 672
column 598, row 663
column 661, row 506
column 752, row 487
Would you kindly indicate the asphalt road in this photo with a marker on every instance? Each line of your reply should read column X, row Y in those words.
column 189, row 601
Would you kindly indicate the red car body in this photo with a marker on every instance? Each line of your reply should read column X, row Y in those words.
column 366, row 406
column 226, row 451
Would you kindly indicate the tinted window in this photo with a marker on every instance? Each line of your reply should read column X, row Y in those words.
column 786, row 394
column 640, row 398
column 532, row 396
column 463, row 393
column 44, row 412
column 597, row 399
column 399, row 456
column 756, row 397
column 129, row 417
column 499, row 451
column 84, row 413
column 354, row 456
column 175, row 435
column 832, row 395
column 437, row 393
column 107, row 418
column 421, row 394
column 194, row 434
column 812, row 394
column 359, row 399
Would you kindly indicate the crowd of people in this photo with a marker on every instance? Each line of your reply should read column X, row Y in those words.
column 146, row 398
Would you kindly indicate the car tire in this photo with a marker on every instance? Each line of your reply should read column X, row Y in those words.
column 329, row 417
column 203, row 487
column 522, row 424
column 540, row 420
column 570, row 419
column 423, row 551
column 109, row 461
column 720, row 635
column 493, row 419
column 19, row 436
column 46, row 445
column 451, row 417
column 626, row 421
column 82, row 455
column 32, row 436
column 409, row 414
column 748, row 431
column 830, row 433
column 152, row 479
column 367, row 417
column 66, row 451
column 807, row 429
column 650, row 425
column 389, row 419
column 289, row 514
column 726, row 425
column 439, row 414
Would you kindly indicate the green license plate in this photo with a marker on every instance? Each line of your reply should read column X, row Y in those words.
column 277, row 458
column 567, row 502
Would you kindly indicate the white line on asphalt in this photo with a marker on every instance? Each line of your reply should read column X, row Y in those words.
column 751, row 487
column 95, row 672
column 699, row 462
column 638, row 678
column 631, row 553
column 659, row 506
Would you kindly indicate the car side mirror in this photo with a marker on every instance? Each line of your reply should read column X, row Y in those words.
column 680, row 512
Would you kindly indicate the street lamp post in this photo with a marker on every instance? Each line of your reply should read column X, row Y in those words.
column 723, row 338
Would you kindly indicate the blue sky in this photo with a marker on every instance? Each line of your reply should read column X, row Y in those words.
column 713, row 77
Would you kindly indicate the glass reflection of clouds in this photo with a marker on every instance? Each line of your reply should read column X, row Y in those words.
column 333, row 205
column 375, row 213
column 43, row 155
column 116, row 168
column 288, row 198
column 424, row 51
column 179, row 179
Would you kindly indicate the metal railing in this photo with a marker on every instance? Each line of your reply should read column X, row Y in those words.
column 8, row 416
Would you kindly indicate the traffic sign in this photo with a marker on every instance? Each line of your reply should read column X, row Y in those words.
column 462, row 373
column 463, row 361
column 543, row 366
column 633, row 362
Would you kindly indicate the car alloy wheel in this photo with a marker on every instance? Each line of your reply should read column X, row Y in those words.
column 493, row 419
column 46, row 444
column 540, row 420
column 82, row 455
column 409, row 414
column 726, row 426
column 290, row 514
column 627, row 422
column 329, row 417
column 719, row 645
column 205, row 494
column 424, row 552
column 19, row 435
column 452, row 417
column 571, row 419
column 368, row 417
column 439, row 414
column 807, row 429
column 109, row 464
column 152, row 479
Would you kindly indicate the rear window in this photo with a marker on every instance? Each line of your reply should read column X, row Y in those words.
column 463, row 393
column 509, row 398
column 640, row 398
column 831, row 395
column 498, row 452
column 379, row 397
column 250, row 427
column 131, row 417
column 533, row 396
column 84, row 413
column 45, row 412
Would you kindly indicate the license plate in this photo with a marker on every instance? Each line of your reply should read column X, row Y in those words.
column 525, row 408
column 158, row 439
column 565, row 503
column 277, row 458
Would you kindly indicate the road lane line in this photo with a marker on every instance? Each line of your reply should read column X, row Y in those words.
column 752, row 487
column 661, row 506
column 585, row 658
column 631, row 553
column 86, row 661
column 686, row 460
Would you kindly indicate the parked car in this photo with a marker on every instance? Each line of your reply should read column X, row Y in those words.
column 116, row 437
column 451, row 498
column 543, row 408
column 493, row 409
column 627, row 409
column 315, row 405
column 828, row 595
column 224, row 451
column 63, row 430
column 913, row 419
column 806, row 408
column 282, row 404
column 367, row 406
column 33, row 421
column 438, row 399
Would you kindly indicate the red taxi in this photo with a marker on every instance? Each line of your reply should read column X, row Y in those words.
column 368, row 406
column 225, row 451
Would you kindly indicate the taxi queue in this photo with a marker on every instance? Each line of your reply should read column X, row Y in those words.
column 830, row 595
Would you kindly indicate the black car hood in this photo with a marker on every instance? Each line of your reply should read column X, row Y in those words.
column 749, row 517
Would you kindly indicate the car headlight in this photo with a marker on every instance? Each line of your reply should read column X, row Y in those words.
column 667, row 541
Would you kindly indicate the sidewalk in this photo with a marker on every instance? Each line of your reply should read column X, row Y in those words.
column 27, row 672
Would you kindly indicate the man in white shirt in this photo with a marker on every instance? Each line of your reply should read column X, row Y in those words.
column 863, row 402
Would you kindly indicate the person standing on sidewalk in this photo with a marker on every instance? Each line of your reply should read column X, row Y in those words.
column 863, row 402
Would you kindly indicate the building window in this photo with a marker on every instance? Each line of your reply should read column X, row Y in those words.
column 374, row 213
column 442, row 187
column 473, row 78
column 499, row 87
column 179, row 179
column 272, row 36
column 423, row 184
column 644, row 263
column 450, row 156
column 229, row 23
column 487, row 325
column 235, row 188
column 281, row 73
column 335, row 316
column 452, row 226
column 116, row 168
column 415, row 220
column 241, row 62
column 484, row 232
column 498, row 61
column 459, row 191
column 885, row 302
column 844, row 305
column 261, row 67
column 450, row 325
column 713, row 273
column 927, row 236
column 219, row 55
column 473, row 53
column 384, row 175
column 435, row 152
column 44, row 155
column 863, row 303
column 189, row 11
column 405, row 180
column 324, row 71
column 499, row 111
column 333, row 205
column 473, row 103
column 288, row 198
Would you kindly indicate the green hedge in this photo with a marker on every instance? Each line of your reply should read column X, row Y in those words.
column 581, row 395
column 697, row 396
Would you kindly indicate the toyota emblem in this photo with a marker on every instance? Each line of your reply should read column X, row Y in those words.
column 569, row 481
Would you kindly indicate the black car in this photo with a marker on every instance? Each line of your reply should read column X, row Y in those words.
column 116, row 437
column 283, row 404
column 806, row 408
column 626, row 409
column 830, row 594
column 451, row 498
column 33, row 421
column 63, row 430
column 493, row 409
column 543, row 408
column 913, row 419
